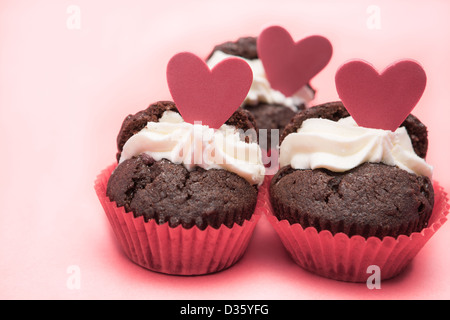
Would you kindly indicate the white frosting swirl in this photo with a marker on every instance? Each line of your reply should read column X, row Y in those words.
column 260, row 90
column 343, row 145
column 197, row 145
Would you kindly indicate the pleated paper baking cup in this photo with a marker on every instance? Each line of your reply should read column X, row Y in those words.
column 177, row 250
column 348, row 259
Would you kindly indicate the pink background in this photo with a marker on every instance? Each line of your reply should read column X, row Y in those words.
column 64, row 94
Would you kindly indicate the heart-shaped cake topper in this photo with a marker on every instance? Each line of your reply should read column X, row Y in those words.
column 209, row 96
column 291, row 65
column 380, row 101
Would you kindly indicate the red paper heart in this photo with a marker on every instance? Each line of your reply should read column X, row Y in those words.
column 209, row 96
column 289, row 65
column 380, row 101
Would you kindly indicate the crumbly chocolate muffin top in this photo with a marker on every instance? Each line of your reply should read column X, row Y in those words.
column 244, row 47
column 370, row 200
column 334, row 111
column 271, row 117
column 132, row 124
column 168, row 192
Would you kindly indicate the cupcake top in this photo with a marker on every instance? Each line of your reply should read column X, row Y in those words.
column 260, row 91
column 160, row 132
column 340, row 144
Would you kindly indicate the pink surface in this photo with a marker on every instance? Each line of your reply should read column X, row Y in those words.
column 380, row 100
column 289, row 64
column 207, row 96
column 64, row 92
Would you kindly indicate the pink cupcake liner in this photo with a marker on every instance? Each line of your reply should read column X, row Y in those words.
column 177, row 251
column 347, row 259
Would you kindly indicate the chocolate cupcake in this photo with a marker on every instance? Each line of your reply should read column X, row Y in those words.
column 347, row 197
column 358, row 183
column 271, row 109
column 169, row 192
column 192, row 191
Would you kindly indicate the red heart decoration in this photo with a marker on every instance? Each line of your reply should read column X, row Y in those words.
column 290, row 65
column 380, row 101
column 209, row 96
